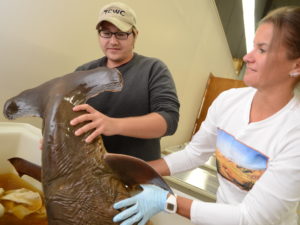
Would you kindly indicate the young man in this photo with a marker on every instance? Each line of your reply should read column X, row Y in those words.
column 131, row 121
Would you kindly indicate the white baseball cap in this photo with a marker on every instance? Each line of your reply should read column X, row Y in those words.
column 119, row 14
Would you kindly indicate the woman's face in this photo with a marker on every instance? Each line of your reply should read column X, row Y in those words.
column 267, row 66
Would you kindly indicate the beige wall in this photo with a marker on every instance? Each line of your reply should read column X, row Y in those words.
column 44, row 39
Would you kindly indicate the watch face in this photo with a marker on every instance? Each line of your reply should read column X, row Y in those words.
column 170, row 207
column 171, row 204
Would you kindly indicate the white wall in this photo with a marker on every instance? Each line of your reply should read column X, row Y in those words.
column 44, row 39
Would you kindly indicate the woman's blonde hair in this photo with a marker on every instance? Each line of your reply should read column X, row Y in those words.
column 286, row 21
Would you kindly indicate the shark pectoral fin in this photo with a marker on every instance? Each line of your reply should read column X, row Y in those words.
column 24, row 167
column 132, row 170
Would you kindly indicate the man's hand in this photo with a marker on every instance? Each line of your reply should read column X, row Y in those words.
column 143, row 206
column 41, row 143
column 97, row 121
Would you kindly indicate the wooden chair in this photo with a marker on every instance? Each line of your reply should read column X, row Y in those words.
column 214, row 86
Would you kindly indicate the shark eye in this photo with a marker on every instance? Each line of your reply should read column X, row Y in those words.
column 11, row 109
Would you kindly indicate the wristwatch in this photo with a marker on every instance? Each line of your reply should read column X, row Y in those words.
column 171, row 204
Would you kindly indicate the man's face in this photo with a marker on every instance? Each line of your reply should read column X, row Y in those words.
column 117, row 51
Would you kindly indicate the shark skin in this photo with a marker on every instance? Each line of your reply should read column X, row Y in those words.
column 79, row 187
column 80, row 180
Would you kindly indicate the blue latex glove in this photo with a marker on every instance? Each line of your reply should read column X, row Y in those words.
column 144, row 205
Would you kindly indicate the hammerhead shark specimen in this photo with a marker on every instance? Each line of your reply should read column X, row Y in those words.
column 80, row 180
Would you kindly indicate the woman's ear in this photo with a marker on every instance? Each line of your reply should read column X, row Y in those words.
column 295, row 72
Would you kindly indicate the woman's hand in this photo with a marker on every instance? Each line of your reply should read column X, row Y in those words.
column 141, row 207
column 97, row 121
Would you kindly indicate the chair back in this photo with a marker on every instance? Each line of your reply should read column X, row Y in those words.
column 214, row 86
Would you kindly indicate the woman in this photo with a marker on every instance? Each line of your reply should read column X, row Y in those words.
column 255, row 135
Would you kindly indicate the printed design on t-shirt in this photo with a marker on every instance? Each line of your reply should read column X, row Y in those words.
column 237, row 162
